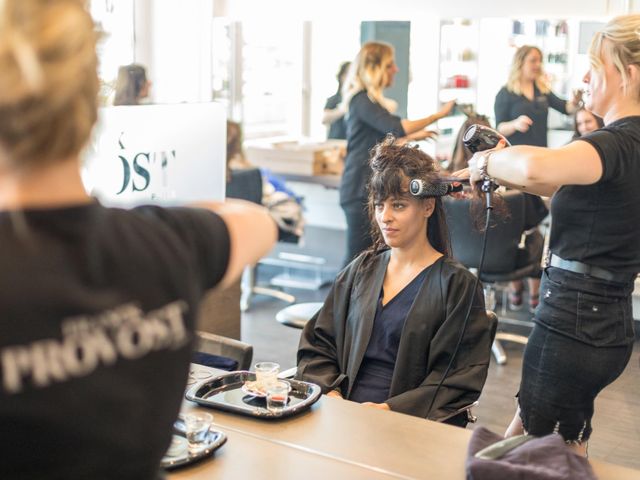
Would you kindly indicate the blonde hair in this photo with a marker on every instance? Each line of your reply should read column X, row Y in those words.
column 48, row 80
column 622, row 47
column 368, row 72
column 515, row 74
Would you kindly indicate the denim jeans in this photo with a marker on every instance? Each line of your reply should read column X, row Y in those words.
column 582, row 341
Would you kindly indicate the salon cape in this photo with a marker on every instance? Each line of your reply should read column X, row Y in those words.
column 334, row 341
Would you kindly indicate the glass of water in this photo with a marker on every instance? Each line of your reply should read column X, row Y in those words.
column 197, row 425
column 277, row 396
column 489, row 298
column 266, row 374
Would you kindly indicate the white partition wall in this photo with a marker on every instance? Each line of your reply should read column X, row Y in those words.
column 165, row 154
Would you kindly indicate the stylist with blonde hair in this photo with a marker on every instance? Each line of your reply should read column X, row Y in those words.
column 583, row 335
column 98, row 304
column 370, row 117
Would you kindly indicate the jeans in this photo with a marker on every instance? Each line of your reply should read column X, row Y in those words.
column 582, row 341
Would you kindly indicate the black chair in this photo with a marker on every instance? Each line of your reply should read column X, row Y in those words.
column 247, row 185
column 501, row 257
column 216, row 351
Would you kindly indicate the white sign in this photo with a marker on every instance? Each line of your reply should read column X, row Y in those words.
column 162, row 154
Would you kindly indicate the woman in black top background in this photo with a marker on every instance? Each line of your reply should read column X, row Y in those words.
column 369, row 119
column 521, row 110
column 583, row 335
column 333, row 115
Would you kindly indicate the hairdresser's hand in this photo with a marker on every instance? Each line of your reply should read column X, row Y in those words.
column 334, row 394
column 447, row 109
column 475, row 173
column 462, row 175
column 380, row 406
column 424, row 135
column 522, row 123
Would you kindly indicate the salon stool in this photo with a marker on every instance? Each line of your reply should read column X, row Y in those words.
column 298, row 315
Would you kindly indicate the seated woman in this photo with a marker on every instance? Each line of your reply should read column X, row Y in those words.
column 393, row 317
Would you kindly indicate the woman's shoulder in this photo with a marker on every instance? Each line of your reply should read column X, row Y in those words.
column 454, row 270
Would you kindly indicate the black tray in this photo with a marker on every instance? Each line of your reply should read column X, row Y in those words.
column 225, row 393
column 214, row 441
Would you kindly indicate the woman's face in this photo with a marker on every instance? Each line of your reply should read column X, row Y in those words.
column 585, row 122
column 390, row 70
column 604, row 87
column 532, row 65
column 403, row 220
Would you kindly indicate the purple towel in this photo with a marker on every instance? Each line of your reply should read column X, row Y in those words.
column 544, row 458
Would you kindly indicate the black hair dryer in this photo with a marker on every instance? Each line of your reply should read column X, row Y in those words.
column 478, row 138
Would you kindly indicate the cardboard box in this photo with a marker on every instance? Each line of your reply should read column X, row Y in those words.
column 300, row 157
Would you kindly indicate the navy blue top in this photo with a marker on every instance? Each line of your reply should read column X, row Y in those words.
column 374, row 376
column 368, row 123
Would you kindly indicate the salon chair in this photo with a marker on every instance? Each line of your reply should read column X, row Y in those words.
column 500, row 263
column 247, row 185
column 221, row 352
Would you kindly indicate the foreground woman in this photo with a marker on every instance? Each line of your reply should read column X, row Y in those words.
column 98, row 304
column 388, row 328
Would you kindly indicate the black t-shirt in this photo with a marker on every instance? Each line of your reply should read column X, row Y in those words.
column 599, row 224
column 368, row 123
column 509, row 106
column 98, row 311
column 337, row 129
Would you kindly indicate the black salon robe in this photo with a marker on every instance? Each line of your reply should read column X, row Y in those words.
column 334, row 341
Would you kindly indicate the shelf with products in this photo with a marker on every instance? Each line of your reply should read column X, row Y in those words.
column 458, row 61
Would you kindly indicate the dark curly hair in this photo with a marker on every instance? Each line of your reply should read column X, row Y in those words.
column 393, row 165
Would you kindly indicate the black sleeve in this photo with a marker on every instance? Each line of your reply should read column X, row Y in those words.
column 557, row 103
column 322, row 338
column 375, row 115
column 502, row 107
column 204, row 235
column 332, row 102
column 467, row 376
column 609, row 149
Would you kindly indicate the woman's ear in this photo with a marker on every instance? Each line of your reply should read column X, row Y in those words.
column 429, row 206
column 633, row 73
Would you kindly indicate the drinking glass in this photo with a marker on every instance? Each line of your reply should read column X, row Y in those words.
column 266, row 374
column 197, row 425
column 277, row 396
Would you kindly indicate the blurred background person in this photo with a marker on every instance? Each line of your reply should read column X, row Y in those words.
column 132, row 85
column 369, row 119
column 116, row 291
column 333, row 115
column 585, row 122
column 522, row 105
column 521, row 110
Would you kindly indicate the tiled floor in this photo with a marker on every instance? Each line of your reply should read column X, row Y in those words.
column 616, row 435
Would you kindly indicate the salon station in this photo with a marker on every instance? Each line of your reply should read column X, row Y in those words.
column 357, row 126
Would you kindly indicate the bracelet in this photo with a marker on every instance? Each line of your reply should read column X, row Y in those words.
column 483, row 165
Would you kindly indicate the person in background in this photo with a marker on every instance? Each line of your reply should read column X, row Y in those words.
column 393, row 316
column 583, row 335
column 132, row 85
column 521, row 110
column 98, row 304
column 369, row 119
column 333, row 115
column 585, row 122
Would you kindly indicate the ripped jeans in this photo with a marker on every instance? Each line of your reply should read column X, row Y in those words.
column 582, row 341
